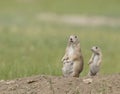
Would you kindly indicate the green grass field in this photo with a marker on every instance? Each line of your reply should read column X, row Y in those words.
column 29, row 47
column 30, row 51
column 84, row 7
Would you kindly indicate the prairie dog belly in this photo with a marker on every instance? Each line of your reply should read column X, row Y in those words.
column 94, row 69
column 93, row 66
column 70, row 51
column 67, row 68
column 95, row 60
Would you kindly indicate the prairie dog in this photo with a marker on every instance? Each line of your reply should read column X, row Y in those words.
column 95, row 61
column 73, row 59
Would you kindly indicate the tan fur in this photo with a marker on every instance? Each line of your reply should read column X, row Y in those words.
column 73, row 59
column 95, row 61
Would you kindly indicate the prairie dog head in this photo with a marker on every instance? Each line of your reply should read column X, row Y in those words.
column 96, row 50
column 73, row 39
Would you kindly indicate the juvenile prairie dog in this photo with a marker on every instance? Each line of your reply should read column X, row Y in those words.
column 73, row 59
column 95, row 61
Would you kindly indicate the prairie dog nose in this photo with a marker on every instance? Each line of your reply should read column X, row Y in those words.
column 71, row 39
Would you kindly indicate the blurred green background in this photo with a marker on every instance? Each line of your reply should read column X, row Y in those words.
column 31, row 44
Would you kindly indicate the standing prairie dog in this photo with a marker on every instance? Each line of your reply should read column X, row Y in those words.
column 73, row 59
column 95, row 61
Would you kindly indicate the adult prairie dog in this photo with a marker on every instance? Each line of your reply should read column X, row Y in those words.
column 73, row 59
column 95, row 61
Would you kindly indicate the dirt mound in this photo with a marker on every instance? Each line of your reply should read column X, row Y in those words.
column 108, row 84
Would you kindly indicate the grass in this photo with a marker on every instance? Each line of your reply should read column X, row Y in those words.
column 84, row 7
column 30, row 51
column 29, row 47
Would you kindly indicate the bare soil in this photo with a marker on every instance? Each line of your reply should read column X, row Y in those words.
column 43, row 84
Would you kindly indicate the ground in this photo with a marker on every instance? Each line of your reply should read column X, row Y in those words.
column 43, row 84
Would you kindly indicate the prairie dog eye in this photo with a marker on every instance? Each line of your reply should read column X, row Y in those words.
column 96, row 47
column 75, row 36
